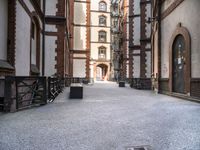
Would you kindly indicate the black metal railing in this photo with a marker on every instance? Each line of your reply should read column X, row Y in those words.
column 140, row 83
column 55, row 87
column 24, row 92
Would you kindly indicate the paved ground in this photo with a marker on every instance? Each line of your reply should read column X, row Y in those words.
column 108, row 118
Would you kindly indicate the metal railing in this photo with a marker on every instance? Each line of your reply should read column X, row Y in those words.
column 141, row 83
column 55, row 87
column 24, row 92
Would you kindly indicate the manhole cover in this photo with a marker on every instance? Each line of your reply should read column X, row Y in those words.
column 138, row 148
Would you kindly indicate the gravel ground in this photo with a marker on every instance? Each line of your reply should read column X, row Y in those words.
column 108, row 118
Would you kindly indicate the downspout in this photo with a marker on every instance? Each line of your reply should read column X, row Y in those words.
column 159, row 43
column 43, row 38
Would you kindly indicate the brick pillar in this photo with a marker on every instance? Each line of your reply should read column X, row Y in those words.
column 88, row 39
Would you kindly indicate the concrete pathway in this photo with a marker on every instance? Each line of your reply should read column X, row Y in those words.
column 108, row 118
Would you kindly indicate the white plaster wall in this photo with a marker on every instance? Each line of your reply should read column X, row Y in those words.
column 136, row 66
column 80, row 13
column 148, row 64
column 79, row 67
column 136, row 10
column 51, row 7
column 95, row 49
column 50, row 28
column 166, row 4
column 190, row 20
column 95, row 18
column 23, row 23
column 148, row 26
column 79, row 38
column 136, row 31
column 91, row 69
column 50, row 55
column 95, row 33
column 3, row 28
column 95, row 4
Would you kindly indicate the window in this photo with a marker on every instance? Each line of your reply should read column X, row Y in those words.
column 102, row 36
column 102, row 53
column 102, row 6
column 102, row 20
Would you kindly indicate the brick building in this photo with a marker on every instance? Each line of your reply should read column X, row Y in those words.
column 175, row 42
column 91, row 39
column 132, row 41
column 35, row 38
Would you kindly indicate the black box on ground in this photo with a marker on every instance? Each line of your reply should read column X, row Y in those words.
column 121, row 83
column 76, row 91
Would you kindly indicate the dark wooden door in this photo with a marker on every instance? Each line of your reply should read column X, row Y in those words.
column 178, row 65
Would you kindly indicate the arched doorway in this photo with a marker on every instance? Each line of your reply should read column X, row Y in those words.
column 180, row 63
column 101, row 72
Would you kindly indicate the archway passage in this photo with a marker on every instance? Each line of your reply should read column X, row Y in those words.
column 178, row 64
column 101, row 72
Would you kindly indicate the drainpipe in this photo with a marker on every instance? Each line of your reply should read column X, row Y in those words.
column 43, row 38
column 159, row 43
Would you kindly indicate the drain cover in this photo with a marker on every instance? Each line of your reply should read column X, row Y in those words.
column 138, row 148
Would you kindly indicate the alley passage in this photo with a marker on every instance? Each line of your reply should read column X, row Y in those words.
column 108, row 118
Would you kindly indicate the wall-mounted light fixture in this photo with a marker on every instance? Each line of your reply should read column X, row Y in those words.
column 152, row 19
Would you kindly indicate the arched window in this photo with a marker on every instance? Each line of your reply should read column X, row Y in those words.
column 102, row 6
column 102, row 36
column 102, row 20
column 102, row 52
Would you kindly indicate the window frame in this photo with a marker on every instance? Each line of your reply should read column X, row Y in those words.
column 102, row 7
column 104, row 21
column 104, row 38
column 102, row 50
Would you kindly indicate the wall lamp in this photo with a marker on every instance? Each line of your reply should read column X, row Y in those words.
column 152, row 19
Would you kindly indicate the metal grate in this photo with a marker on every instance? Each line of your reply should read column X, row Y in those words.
column 138, row 148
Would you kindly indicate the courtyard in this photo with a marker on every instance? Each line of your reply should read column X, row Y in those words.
column 107, row 118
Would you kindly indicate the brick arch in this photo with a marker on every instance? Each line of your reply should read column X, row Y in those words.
column 180, row 30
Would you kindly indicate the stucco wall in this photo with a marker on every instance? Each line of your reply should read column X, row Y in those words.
column 79, row 67
column 80, row 13
column 23, row 23
column 79, row 38
column 190, row 20
column 136, row 30
column 3, row 28
column 50, row 28
column 51, row 7
column 136, row 66
column 136, row 9
column 50, row 55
